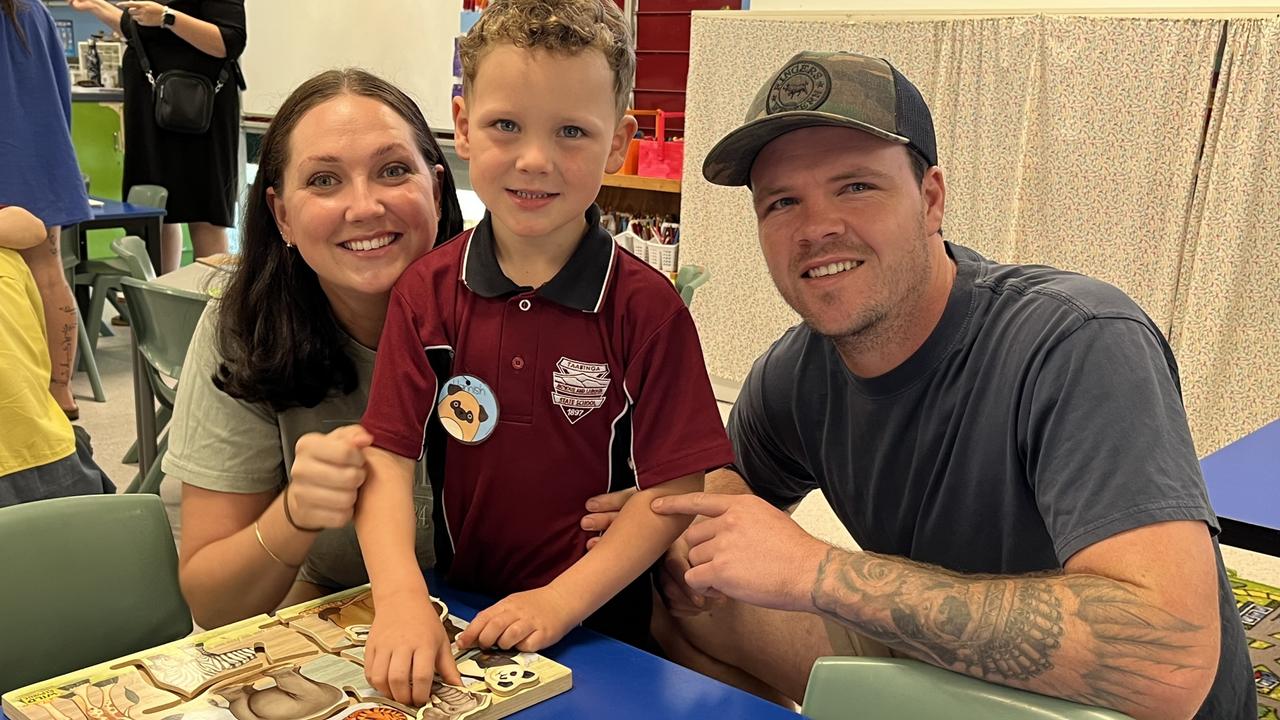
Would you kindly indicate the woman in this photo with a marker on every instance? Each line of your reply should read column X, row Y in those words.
column 200, row 171
column 38, row 169
column 351, row 189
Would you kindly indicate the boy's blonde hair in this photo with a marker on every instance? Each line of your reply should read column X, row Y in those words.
column 560, row 26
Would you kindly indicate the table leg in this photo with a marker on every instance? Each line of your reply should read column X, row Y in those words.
column 144, row 411
column 150, row 232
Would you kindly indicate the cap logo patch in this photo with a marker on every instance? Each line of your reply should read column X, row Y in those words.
column 801, row 85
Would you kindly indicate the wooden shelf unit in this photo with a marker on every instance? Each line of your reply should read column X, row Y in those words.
column 638, row 182
column 640, row 195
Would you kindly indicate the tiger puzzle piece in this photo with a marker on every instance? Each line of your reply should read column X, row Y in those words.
column 450, row 702
column 509, row 680
column 372, row 711
column 292, row 696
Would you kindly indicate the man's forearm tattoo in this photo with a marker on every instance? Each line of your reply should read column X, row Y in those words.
column 1097, row 641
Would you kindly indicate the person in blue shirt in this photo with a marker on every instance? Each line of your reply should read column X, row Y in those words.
column 40, row 169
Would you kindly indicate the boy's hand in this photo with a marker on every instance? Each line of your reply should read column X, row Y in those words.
column 527, row 621
column 407, row 648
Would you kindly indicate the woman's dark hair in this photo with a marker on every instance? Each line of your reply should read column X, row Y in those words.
column 10, row 9
column 277, row 335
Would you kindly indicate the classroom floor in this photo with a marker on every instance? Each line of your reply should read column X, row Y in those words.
column 111, row 425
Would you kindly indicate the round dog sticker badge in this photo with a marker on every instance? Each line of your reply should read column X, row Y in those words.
column 468, row 409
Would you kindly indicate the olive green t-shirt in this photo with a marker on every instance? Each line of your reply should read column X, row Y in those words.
column 221, row 443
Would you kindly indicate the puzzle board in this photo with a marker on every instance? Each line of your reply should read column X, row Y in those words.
column 303, row 663
column 1259, row 607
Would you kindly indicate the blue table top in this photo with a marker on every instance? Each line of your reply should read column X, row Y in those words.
column 616, row 681
column 1243, row 478
column 117, row 210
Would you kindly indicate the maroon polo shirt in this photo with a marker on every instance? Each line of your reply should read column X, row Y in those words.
column 600, row 383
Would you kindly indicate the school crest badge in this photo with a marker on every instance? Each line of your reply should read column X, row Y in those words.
column 579, row 387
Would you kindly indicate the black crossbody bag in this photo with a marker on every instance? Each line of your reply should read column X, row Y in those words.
column 183, row 100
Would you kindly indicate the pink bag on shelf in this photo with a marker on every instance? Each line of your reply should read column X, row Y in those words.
column 661, row 158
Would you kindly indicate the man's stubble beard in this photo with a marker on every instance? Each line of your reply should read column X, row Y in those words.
column 881, row 324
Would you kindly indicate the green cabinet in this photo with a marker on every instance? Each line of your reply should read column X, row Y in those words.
column 97, row 132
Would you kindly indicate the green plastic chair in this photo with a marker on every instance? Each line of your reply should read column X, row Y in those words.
column 131, row 254
column 96, row 579
column 164, row 321
column 69, row 242
column 103, row 276
column 688, row 280
column 856, row 688
column 133, row 258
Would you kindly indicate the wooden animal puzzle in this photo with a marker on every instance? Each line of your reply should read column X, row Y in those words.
column 1259, row 607
column 304, row 663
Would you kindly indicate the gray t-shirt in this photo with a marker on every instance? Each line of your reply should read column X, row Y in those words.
column 1042, row 415
column 218, row 442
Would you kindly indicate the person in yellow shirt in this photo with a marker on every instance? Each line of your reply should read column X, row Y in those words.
column 40, row 456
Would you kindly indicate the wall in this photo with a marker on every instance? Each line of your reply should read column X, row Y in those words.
column 409, row 42
column 83, row 24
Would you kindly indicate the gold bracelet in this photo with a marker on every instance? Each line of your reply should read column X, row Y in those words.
column 258, row 532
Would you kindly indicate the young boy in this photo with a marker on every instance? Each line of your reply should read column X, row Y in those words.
column 535, row 363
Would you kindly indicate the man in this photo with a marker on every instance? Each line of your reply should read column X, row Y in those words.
column 1006, row 443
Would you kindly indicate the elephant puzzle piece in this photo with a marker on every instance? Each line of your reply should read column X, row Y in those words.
column 305, row 663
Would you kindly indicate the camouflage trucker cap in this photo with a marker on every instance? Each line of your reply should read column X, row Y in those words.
column 839, row 89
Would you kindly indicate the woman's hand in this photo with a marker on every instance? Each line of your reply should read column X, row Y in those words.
column 85, row 5
column 328, row 470
column 143, row 12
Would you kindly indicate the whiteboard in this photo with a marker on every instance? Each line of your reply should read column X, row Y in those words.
column 408, row 42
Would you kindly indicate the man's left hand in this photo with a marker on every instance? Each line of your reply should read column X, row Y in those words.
column 144, row 12
column 747, row 550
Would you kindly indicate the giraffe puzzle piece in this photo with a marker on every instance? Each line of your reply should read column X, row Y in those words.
column 125, row 695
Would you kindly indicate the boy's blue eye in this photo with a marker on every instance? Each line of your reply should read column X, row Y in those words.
column 506, row 125
column 573, row 131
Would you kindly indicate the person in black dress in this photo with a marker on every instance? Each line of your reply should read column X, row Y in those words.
column 200, row 171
